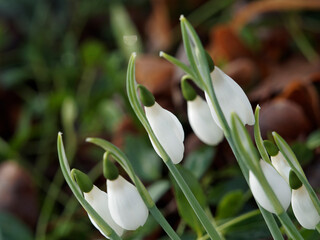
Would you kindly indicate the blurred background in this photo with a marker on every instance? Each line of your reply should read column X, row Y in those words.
column 63, row 68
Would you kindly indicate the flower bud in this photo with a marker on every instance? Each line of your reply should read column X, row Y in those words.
column 126, row 205
column 231, row 98
column 279, row 186
column 99, row 202
column 168, row 131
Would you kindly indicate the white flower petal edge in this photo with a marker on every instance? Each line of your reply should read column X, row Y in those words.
column 276, row 182
column 231, row 98
column 99, row 202
column 202, row 123
column 168, row 131
column 303, row 208
column 126, row 205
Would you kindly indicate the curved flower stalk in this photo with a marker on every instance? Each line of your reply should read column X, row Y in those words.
column 199, row 116
column 231, row 98
column 126, row 205
column 165, row 126
column 279, row 186
column 302, row 205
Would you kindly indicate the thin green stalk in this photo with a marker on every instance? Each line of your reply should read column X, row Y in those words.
column 133, row 99
column 239, row 219
column 122, row 159
column 318, row 227
column 289, row 226
column 193, row 202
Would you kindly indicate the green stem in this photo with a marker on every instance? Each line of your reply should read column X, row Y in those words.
column 318, row 227
column 238, row 219
column 212, row 232
column 289, row 227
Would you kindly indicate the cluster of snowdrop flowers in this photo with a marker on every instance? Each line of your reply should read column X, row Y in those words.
column 287, row 188
column 121, row 207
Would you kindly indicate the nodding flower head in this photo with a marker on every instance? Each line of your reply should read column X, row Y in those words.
column 165, row 126
column 126, row 205
column 279, row 186
column 199, row 116
column 97, row 199
column 231, row 98
column 302, row 205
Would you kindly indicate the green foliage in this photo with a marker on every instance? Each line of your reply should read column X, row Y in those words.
column 184, row 207
column 12, row 228
column 230, row 204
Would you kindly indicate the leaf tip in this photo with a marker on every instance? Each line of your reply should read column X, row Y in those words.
column 182, row 17
column 161, row 53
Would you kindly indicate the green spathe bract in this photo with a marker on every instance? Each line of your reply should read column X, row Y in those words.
column 146, row 96
column 82, row 180
column 188, row 91
column 110, row 171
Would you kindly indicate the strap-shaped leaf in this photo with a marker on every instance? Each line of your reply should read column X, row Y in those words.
column 257, row 137
column 64, row 165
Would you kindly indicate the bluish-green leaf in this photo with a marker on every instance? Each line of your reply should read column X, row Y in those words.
column 230, row 205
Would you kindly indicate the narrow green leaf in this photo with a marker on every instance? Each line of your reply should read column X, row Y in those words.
column 257, row 136
column 230, row 205
column 184, row 208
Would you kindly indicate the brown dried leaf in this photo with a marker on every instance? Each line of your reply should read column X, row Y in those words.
column 154, row 73
column 158, row 29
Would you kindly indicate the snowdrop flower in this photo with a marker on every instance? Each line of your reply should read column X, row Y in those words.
column 98, row 200
column 199, row 116
column 276, row 182
column 231, row 98
column 165, row 126
column 302, row 205
column 278, row 161
column 126, row 205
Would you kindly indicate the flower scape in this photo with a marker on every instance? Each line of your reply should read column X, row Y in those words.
column 269, row 166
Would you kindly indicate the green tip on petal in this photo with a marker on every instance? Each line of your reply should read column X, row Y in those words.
column 210, row 61
column 294, row 181
column 271, row 148
column 188, row 91
column 110, row 171
column 146, row 96
column 83, row 181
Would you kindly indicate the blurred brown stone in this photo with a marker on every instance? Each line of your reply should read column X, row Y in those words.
column 18, row 193
column 285, row 117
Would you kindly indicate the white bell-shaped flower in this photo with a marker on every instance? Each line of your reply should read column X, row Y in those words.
column 279, row 186
column 168, row 131
column 202, row 123
column 99, row 202
column 231, row 98
column 304, row 209
column 126, row 205
column 281, row 165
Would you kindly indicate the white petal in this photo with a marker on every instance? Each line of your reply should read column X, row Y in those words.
column 168, row 131
column 276, row 182
column 303, row 208
column 99, row 202
column 231, row 98
column 281, row 164
column 202, row 123
column 126, row 205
